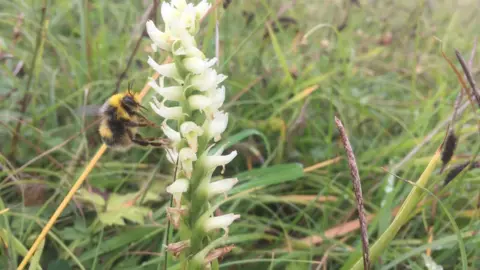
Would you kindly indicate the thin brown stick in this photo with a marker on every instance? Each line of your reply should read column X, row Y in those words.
column 357, row 186
column 149, row 12
column 469, row 76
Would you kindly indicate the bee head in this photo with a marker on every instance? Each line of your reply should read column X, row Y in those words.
column 131, row 100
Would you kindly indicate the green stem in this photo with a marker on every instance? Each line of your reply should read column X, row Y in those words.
column 404, row 214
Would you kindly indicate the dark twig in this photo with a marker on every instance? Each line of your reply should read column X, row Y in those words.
column 469, row 77
column 150, row 13
column 26, row 98
column 358, row 191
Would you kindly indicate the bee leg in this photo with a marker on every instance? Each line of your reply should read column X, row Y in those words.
column 129, row 123
column 144, row 119
column 138, row 139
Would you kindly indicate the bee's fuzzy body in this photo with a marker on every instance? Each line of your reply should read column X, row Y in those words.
column 120, row 122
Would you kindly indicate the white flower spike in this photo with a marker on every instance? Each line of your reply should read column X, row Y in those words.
column 190, row 106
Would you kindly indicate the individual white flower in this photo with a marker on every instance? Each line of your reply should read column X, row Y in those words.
column 167, row 70
column 166, row 112
column 169, row 13
column 177, row 188
column 172, row 155
column 174, row 93
column 202, row 9
column 220, row 222
column 159, row 38
column 197, row 65
column 187, row 156
column 199, row 102
column 188, row 18
column 172, row 134
column 215, row 160
column 221, row 186
column 215, row 127
column 217, row 98
column 209, row 79
column 191, row 131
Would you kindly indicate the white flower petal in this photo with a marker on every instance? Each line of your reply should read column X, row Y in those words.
column 221, row 186
column 172, row 155
column 199, row 102
column 191, row 131
column 197, row 65
column 217, row 97
column 174, row 93
column 172, row 134
column 220, row 222
column 215, row 127
column 167, row 70
column 187, row 156
column 166, row 112
column 213, row 161
column 205, row 80
column 179, row 186
column 169, row 13
column 158, row 37
column 202, row 9
column 179, row 4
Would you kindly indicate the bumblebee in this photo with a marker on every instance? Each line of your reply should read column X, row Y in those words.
column 121, row 119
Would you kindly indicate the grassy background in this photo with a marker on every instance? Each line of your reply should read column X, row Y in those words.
column 378, row 67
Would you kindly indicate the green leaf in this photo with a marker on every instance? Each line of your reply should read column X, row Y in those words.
column 123, row 239
column 268, row 176
column 59, row 265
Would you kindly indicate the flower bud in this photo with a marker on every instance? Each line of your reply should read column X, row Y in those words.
column 191, row 131
column 166, row 112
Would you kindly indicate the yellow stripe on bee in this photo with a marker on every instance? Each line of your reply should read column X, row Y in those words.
column 104, row 131
column 116, row 102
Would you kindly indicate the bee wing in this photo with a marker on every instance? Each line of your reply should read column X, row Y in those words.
column 90, row 110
